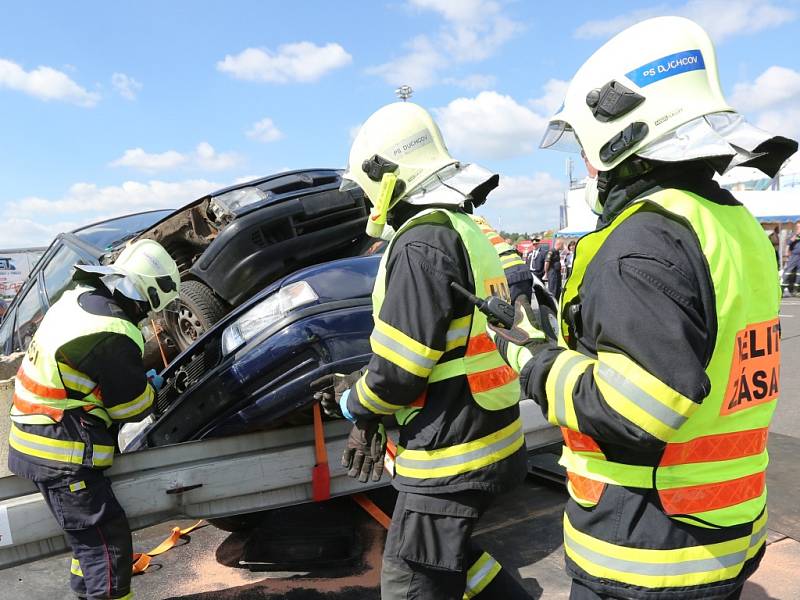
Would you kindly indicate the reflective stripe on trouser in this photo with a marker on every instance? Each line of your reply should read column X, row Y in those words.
column 429, row 554
column 649, row 568
column 97, row 531
column 461, row 458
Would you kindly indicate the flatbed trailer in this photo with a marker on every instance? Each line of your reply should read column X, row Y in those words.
column 204, row 480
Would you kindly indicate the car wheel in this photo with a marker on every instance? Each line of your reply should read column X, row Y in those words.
column 198, row 308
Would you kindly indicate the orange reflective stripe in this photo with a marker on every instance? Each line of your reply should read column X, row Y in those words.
column 496, row 240
column 40, row 390
column 480, row 344
column 30, row 408
column 711, row 496
column 585, row 488
column 421, row 399
column 723, row 446
column 490, row 379
column 579, row 442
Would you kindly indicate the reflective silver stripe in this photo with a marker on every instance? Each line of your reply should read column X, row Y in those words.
column 420, row 361
column 685, row 567
column 454, row 334
column 449, row 461
column 563, row 373
column 82, row 381
column 365, row 398
column 120, row 413
column 641, row 398
column 75, row 568
column 74, row 454
column 477, row 579
column 104, row 457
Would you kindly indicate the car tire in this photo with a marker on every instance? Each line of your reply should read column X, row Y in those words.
column 198, row 308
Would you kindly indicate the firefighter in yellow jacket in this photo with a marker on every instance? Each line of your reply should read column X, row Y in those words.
column 434, row 370
column 665, row 374
column 81, row 374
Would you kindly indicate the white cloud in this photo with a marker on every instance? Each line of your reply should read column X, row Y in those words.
column 45, row 83
column 207, row 158
column 137, row 158
column 94, row 202
column 476, row 82
column 472, row 31
column 299, row 62
column 264, row 130
column 721, row 18
column 204, row 157
column 126, row 86
column 775, row 86
column 525, row 203
column 25, row 233
column 554, row 92
column 771, row 101
column 490, row 125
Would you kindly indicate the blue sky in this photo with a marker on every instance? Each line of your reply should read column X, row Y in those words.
column 108, row 108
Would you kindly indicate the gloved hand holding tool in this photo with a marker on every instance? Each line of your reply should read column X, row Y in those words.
column 534, row 326
column 331, row 391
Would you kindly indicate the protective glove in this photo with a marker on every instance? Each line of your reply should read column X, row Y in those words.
column 331, row 389
column 364, row 451
column 156, row 380
column 520, row 344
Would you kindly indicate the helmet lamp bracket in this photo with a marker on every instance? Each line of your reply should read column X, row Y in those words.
column 376, row 167
column 612, row 101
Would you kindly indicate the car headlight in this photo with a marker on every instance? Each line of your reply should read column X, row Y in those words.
column 230, row 202
column 265, row 313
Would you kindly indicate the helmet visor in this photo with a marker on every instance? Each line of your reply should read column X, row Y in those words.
column 560, row 136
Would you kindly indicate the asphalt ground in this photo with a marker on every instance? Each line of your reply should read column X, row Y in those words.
column 523, row 531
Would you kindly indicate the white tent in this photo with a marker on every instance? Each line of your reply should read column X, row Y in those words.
column 781, row 206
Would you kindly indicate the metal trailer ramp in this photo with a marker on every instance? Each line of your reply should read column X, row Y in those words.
column 204, row 479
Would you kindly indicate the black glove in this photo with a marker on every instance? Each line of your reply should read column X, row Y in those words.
column 363, row 454
column 520, row 344
column 328, row 390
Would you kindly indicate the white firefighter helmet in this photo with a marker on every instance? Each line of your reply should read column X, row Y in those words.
column 642, row 84
column 397, row 150
column 144, row 272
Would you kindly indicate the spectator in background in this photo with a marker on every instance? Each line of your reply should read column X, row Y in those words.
column 790, row 274
column 569, row 257
column 775, row 239
column 552, row 269
column 538, row 257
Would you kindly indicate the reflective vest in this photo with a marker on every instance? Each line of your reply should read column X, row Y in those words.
column 712, row 471
column 494, row 386
column 508, row 255
column 46, row 386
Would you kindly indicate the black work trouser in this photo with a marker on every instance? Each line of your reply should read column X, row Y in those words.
column 429, row 554
column 579, row 591
column 790, row 275
column 96, row 529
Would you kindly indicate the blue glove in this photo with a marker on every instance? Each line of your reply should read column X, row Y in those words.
column 156, row 380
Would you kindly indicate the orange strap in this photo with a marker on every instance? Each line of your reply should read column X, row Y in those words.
column 711, row 496
column 142, row 560
column 320, row 474
column 373, row 510
column 722, row 446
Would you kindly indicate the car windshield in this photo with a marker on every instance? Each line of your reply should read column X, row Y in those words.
column 108, row 234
